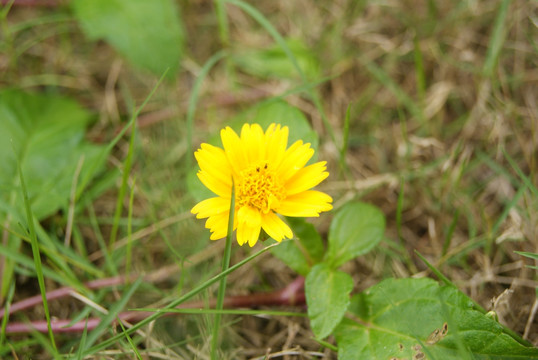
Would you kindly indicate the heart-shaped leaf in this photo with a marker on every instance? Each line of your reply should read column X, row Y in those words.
column 418, row 319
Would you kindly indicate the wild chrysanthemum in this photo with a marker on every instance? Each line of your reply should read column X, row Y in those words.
column 269, row 180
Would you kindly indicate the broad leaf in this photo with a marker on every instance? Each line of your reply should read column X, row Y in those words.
column 418, row 319
column 327, row 296
column 304, row 250
column 46, row 133
column 274, row 63
column 148, row 33
column 356, row 229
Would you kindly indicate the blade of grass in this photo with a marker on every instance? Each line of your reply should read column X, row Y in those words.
column 86, row 180
column 133, row 346
column 326, row 344
column 528, row 254
column 224, row 32
column 399, row 210
column 345, row 142
column 128, row 248
column 66, row 255
column 29, row 263
column 109, row 263
column 225, row 312
column 7, row 33
column 46, row 345
column 123, row 189
column 194, row 96
column 112, row 314
column 419, row 71
column 82, row 343
column 5, row 319
column 222, row 284
column 449, row 233
column 35, row 249
column 178, row 301
column 520, row 173
column 496, row 41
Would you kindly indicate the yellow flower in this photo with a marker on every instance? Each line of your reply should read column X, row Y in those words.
column 269, row 180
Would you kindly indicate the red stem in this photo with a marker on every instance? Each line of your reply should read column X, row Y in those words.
column 293, row 294
column 62, row 292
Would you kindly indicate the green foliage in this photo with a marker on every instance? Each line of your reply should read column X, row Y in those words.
column 327, row 293
column 148, row 33
column 274, row 62
column 45, row 134
column 305, row 250
column 403, row 318
column 355, row 230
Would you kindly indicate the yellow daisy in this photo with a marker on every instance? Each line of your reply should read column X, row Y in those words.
column 269, row 180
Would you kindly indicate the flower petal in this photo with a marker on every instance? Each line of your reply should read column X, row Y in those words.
column 248, row 225
column 306, row 178
column 212, row 160
column 218, row 225
column 248, row 234
column 295, row 158
column 210, row 207
column 234, row 149
column 216, row 185
column 276, row 140
column 275, row 227
column 253, row 141
column 305, row 204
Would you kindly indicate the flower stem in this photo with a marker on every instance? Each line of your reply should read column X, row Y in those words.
column 222, row 283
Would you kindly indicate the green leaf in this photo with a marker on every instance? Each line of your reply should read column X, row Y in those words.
column 417, row 318
column 46, row 133
column 304, row 250
column 355, row 230
column 327, row 296
column 273, row 62
column 148, row 33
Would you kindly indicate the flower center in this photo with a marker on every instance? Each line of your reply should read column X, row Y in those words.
column 259, row 187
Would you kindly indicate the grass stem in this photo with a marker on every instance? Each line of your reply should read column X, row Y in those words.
column 222, row 283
